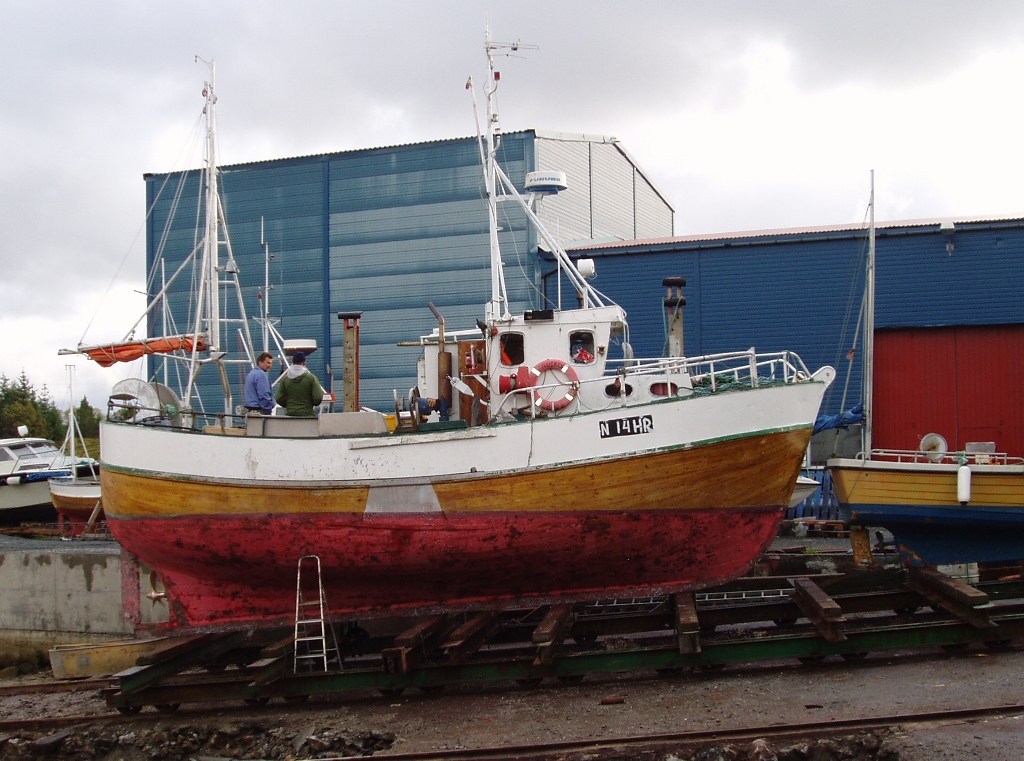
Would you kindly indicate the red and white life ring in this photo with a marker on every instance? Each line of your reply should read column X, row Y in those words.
column 561, row 402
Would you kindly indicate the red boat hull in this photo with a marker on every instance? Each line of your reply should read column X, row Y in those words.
column 230, row 569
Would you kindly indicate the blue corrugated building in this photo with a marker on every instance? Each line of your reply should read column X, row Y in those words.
column 386, row 230
column 802, row 289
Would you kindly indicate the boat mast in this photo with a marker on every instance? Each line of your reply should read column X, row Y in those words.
column 497, row 307
column 71, row 421
column 211, row 242
column 869, row 326
column 266, row 287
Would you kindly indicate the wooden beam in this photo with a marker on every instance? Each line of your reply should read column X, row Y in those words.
column 412, row 647
column 687, row 624
column 471, row 636
column 822, row 610
column 552, row 630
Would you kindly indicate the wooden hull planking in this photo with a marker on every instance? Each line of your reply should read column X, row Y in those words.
column 75, row 501
column 663, row 522
column 919, row 505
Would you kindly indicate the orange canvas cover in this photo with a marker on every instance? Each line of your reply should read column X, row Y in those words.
column 108, row 354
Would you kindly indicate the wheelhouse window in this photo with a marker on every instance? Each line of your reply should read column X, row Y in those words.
column 512, row 352
column 581, row 347
column 5, row 456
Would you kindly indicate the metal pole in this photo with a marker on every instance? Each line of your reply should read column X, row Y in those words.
column 869, row 328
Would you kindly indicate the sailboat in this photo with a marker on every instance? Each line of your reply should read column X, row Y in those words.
column 76, row 497
column 527, row 466
column 942, row 507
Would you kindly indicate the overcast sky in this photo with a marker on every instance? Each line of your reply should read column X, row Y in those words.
column 746, row 114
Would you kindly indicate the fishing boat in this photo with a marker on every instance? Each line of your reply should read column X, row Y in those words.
column 27, row 465
column 76, row 496
column 942, row 507
column 528, row 465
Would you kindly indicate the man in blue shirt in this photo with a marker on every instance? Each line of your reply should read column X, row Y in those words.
column 258, row 396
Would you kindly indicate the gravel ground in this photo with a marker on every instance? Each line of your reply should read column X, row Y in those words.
column 507, row 714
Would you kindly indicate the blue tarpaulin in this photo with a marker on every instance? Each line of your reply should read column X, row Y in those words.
column 843, row 420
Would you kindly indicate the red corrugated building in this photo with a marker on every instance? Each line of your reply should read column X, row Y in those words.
column 965, row 383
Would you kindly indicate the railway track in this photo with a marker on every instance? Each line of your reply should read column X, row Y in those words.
column 617, row 747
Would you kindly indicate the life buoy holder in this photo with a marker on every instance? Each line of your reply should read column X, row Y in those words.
column 561, row 402
column 525, row 378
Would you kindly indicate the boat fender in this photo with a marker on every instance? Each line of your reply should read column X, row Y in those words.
column 525, row 377
column 963, row 484
column 13, row 480
column 561, row 402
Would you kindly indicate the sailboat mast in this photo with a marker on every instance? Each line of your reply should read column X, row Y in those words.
column 71, row 419
column 869, row 327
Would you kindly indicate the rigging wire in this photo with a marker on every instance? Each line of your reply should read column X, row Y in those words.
column 855, row 278
column 131, row 246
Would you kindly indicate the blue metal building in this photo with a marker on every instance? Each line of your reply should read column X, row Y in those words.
column 801, row 289
column 386, row 230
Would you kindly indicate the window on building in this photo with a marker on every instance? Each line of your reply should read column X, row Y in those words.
column 581, row 347
column 512, row 352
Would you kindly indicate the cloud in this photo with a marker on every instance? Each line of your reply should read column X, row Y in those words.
column 746, row 114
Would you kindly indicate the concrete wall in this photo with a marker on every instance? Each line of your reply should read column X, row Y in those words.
column 65, row 591
column 57, row 593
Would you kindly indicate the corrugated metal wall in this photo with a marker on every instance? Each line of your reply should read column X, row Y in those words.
column 965, row 383
column 567, row 215
column 803, row 291
column 608, row 196
column 384, row 231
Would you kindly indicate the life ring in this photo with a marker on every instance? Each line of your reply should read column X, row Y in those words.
column 560, row 403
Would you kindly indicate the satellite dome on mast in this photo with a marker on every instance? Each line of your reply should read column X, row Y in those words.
column 545, row 183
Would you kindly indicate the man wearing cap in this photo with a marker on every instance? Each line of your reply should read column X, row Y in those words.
column 258, row 396
column 299, row 391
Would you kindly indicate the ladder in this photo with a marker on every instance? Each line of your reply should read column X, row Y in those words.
column 313, row 623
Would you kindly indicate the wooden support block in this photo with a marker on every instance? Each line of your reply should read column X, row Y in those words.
column 948, row 586
column 816, row 599
column 962, row 600
column 270, row 669
column 401, row 660
column 860, row 541
column 552, row 630
column 471, row 636
column 283, row 646
column 687, row 624
column 422, row 631
column 414, row 645
column 556, row 623
column 174, row 648
column 207, row 647
column 822, row 610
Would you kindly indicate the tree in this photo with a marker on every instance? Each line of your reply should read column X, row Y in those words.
column 20, row 404
column 88, row 419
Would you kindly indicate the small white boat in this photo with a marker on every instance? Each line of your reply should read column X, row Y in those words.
column 804, row 488
column 76, row 496
column 26, row 466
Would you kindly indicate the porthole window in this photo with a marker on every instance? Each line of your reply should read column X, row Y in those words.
column 512, row 349
column 581, row 347
column 617, row 389
column 664, row 389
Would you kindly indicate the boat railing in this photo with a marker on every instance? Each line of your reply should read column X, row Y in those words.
column 131, row 411
column 708, row 374
column 947, row 458
column 725, row 370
